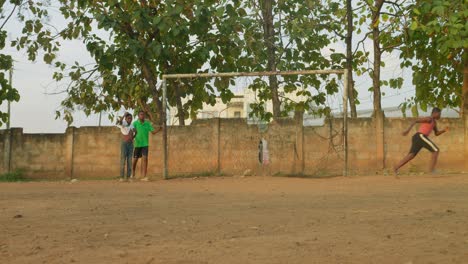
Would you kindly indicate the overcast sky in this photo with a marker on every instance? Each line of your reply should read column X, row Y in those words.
column 35, row 112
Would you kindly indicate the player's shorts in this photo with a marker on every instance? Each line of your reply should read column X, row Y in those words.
column 420, row 141
column 140, row 152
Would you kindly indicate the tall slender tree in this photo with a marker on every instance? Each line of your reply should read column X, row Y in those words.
column 289, row 35
column 270, row 43
column 386, row 20
column 349, row 57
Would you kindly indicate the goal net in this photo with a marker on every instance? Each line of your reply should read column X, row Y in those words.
column 234, row 133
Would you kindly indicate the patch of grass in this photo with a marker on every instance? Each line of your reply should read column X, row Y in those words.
column 316, row 175
column 14, row 176
column 196, row 175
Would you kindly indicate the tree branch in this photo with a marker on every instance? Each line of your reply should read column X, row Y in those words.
column 338, row 34
column 359, row 7
column 393, row 3
column 9, row 16
column 386, row 49
column 389, row 14
column 361, row 42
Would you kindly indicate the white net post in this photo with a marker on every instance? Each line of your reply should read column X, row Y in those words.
column 345, row 121
column 164, row 125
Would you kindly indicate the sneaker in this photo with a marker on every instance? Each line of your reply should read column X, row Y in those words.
column 122, row 180
column 144, row 179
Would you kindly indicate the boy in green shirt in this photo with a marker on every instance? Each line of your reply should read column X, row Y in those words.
column 143, row 128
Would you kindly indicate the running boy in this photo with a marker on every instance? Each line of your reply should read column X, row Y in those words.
column 421, row 139
column 126, row 145
column 143, row 128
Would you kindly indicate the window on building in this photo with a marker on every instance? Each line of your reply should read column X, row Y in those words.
column 237, row 114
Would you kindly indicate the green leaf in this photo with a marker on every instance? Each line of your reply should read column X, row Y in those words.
column 414, row 111
column 385, row 17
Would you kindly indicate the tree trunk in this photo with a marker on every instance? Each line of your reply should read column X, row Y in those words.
column 378, row 113
column 180, row 105
column 377, row 56
column 349, row 58
column 464, row 109
column 151, row 80
column 376, row 72
column 159, row 107
column 269, row 37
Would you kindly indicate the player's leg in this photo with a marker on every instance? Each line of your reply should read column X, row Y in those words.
column 124, row 165
column 435, row 156
column 144, row 163
column 136, row 157
column 129, row 159
column 122, row 160
column 432, row 147
column 416, row 146
column 144, row 167
column 135, row 163
column 403, row 162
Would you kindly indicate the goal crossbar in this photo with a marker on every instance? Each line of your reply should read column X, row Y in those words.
column 242, row 74
column 343, row 72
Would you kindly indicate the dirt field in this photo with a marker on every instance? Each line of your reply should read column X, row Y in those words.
column 417, row 219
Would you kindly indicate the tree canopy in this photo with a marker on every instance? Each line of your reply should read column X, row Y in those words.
column 133, row 43
column 146, row 39
column 31, row 15
column 436, row 51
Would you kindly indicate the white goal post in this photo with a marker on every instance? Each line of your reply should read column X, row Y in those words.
column 166, row 77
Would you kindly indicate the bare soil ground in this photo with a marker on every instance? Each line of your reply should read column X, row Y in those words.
column 417, row 219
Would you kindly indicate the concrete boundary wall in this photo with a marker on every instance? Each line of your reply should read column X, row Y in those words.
column 230, row 147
